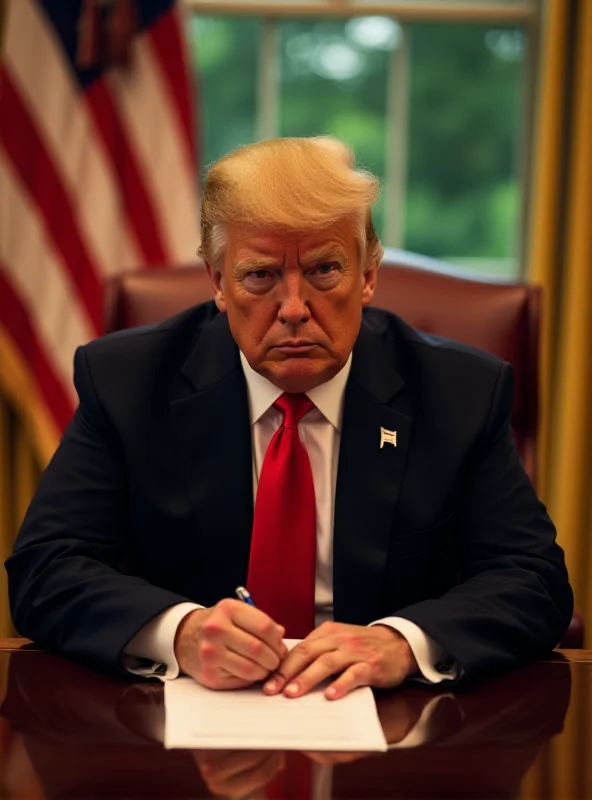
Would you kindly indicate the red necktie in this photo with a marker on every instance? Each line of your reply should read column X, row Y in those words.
column 294, row 782
column 282, row 561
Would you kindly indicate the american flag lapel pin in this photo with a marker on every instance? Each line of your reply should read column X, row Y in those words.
column 387, row 437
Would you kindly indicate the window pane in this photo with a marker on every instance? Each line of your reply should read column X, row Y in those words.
column 224, row 54
column 333, row 81
column 465, row 117
column 465, row 127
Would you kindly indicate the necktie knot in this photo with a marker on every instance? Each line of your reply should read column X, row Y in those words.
column 294, row 407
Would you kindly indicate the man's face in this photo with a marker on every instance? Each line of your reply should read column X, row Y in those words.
column 294, row 300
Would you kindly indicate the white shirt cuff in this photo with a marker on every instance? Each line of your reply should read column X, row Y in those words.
column 151, row 652
column 432, row 659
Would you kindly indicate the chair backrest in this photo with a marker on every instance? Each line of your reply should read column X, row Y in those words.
column 501, row 318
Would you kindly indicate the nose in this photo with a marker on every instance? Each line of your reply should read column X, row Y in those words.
column 293, row 305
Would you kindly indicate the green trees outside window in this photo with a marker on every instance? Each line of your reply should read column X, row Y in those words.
column 464, row 99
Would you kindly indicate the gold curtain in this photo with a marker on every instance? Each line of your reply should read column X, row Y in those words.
column 28, row 437
column 19, row 475
column 560, row 259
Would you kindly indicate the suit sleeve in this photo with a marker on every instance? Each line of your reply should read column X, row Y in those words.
column 513, row 602
column 71, row 578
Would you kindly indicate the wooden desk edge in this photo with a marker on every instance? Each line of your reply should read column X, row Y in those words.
column 14, row 644
column 574, row 655
column 585, row 656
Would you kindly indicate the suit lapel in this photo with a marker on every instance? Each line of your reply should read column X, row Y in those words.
column 368, row 480
column 211, row 424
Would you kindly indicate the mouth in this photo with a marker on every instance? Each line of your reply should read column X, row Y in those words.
column 295, row 347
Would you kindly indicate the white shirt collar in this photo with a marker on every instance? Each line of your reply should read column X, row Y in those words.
column 328, row 397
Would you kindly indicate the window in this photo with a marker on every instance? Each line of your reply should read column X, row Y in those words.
column 435, row 108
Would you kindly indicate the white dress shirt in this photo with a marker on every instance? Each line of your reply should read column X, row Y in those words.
column 320, row 433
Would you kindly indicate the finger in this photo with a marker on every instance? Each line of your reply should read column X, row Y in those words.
column 220, row 679
column 249, row 646
column 325, row 666
column 323, row 639
column 254, row 621
column 359, row 674
column 223, row 669
column 240, row 667
column 295, row 662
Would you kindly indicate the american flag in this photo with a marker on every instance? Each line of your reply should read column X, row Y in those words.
column 97, row 175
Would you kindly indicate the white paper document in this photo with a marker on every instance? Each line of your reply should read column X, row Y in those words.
column 247, row 719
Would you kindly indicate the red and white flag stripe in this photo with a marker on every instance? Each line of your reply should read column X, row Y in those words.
column 95, row 177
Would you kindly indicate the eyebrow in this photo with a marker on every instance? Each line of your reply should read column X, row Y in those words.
column 322, row 252
column 254, row 263
column 316, row 254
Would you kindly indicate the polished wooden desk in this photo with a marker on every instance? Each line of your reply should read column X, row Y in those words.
column 69, row 732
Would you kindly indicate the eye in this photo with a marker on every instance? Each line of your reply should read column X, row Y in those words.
column 327, row 268
column 259, row 274
column 259, row 281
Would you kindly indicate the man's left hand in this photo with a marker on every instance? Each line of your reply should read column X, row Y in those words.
column 377, row 656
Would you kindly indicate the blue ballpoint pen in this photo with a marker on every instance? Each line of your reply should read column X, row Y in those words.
column 244, row 595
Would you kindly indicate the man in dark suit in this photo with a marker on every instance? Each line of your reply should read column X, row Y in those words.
column 393, row 529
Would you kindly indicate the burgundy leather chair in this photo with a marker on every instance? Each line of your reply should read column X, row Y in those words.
column 502, row 318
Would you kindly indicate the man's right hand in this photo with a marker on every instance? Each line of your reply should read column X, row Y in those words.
column 229, row 646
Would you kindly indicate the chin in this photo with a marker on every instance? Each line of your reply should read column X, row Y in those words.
column 297, row 378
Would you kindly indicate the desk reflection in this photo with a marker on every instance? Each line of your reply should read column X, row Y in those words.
column 73, row 733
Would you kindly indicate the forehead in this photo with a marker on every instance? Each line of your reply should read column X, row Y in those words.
column 244, row 241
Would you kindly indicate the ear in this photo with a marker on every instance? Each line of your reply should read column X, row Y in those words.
column 215, row 276
column 369, row 278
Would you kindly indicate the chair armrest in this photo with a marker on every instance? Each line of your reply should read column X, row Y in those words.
column 574, row 636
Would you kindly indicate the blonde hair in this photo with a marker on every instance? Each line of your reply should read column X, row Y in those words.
column 288, row 184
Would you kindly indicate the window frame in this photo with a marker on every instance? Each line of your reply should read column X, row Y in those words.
column 508, row 11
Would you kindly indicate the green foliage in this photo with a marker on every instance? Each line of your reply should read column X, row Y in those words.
column 224, row 57
column 465, row 100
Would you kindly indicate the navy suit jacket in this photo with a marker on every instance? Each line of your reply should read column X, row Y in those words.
column 148, row 500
